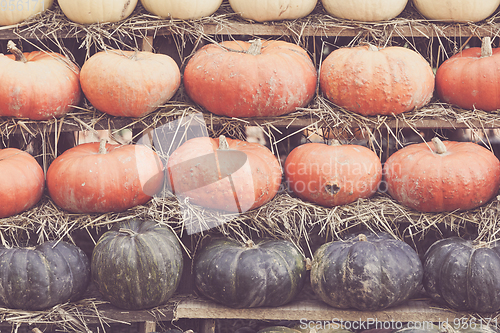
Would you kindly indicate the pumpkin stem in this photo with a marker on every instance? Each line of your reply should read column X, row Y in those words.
column 255, row 47
column 249, row 243
column 102, row 147
column 477, row 244
column 12, row 48
column 439, row 145
column 308, row 263
column 127, row 231
column 372, row 48
column 134, row 56
column 223, row 144
column 486, row 50
column 362, row 238
column 335, row 142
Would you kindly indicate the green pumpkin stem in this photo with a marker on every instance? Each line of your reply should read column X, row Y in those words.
column 255, row 47
column 12, row 48
column 223, row 144
column 486, row 50
column 439, row 145
column 102, row 147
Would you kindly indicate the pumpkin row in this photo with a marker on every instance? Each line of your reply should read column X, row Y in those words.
column 102, row 11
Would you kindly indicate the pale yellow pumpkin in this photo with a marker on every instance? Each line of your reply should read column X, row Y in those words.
column 456, row 10
column 272, row 10
column 17, row 11
column 364, row 10
column 182, row 9
column 97, row 11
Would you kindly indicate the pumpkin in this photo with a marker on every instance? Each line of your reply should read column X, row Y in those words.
column 366, row 271
column 40, row 277
column 251, row 79
column 332, row 175
column 463, row 274
column 456, row 10
column 470, row 79
column 364, row 10
column 97, row 11
column 442, row 176
column 37, row 85
column 128, row 83
column 372, row 81
column 22, row 181
column 98, row 177
column 267, row 272
column 224, row 174
column 13, row 12
column 273, row 10
column 182, row 9
column 137, row 264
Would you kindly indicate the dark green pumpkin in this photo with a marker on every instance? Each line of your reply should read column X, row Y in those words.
column 38, row 278
column 137, row 265
column 463, row 274
column 366, row 271
column 268, row 272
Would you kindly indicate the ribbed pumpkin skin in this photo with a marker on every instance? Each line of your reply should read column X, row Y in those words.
column 456, row 10
column 193, row 176
column 22, row 181
column 269, row 273
column 332, row 175
column 470, row 81
column 366, row 275
column 465, row 177
column 82, row 180
column 227, row 81
column 43, row 88
column 463, row 275
column 273, row 10
column 371, row 82
column 129, row 84
column 182, row 9
column 41, row 277
column 97, row 11
column 140, row 269
column 13, row 12
column 365, row 10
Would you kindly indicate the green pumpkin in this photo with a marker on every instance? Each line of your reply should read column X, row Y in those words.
column 137, row 265
column 269, row 272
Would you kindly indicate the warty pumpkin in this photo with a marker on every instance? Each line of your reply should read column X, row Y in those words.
column 182, row 9
column 37, row 85
column 441, row 176
column 97, row 11
column 364, row 10
column 456, row 10
column 272, row 10
column 257, row 79
column 13, row 12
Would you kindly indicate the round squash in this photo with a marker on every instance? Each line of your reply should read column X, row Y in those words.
column 224, row 174
column 442, row 176
column 37, row 85
column 97, row 11
column 364, row 10
column 257, row 79
column 182, row 9
column 471, row 79
column 273, row 10
column 332, row 175
column 38, row 278
column 463, row 274
column 372, row 81
column 137, row 264
column 13, row 12
column 456, row 10
column 99, row 177
column 366, row 271
column 22, row 181
column 269, row 272
column 128, row 83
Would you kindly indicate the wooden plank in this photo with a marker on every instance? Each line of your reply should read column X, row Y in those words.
column 207, row 326
column 147, row 327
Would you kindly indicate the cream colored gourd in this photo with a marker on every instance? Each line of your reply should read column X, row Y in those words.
column 97, row 11
column 273, row 10
column 13, row 12
column 365, row 10
column 182, row 9
column 456, row 10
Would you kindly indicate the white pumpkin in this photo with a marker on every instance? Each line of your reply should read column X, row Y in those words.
column 273, row 10
column 97, row 11
column 456, row 10
column 365, row 10
column 16, row 11
column 182, row 9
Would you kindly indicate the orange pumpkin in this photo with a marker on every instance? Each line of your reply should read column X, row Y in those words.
column 258, row 79
column 128, row 83
column 372, row 81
